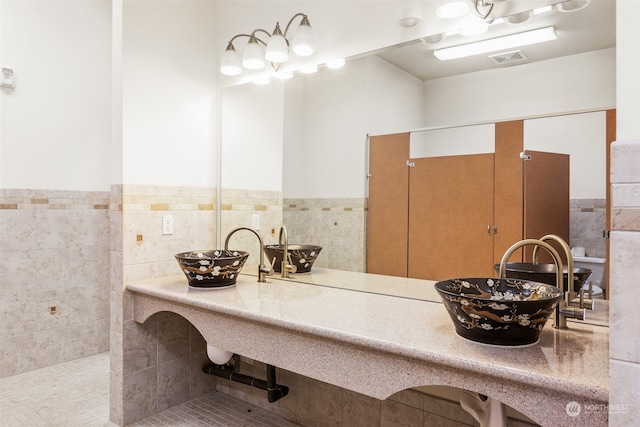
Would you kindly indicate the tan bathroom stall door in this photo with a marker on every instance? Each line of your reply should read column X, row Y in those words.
column 451, row 202
column 387, row 220
column 546, row 200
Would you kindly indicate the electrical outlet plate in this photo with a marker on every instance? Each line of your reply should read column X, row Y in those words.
column 167, row 224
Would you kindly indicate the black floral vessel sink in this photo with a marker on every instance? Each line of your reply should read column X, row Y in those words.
column 302, row 256
column 212, row 269
column 507, row 312
column 545, row 273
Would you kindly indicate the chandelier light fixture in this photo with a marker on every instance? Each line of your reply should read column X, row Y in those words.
column 274, row 50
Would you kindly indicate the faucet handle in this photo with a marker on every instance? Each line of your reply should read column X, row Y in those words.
column 291, row 267
column 582, row 300
column 263, row 272
column 268, row 270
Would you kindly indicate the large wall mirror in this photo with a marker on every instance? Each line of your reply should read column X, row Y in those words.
column 295, row 151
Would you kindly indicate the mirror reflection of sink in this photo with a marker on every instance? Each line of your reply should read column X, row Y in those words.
column 302, row 256
column 545, row 273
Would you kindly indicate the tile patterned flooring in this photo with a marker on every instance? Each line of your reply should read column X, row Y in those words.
column 76, row 394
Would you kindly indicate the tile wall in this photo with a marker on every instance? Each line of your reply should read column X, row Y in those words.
column 157, row 364
column 338, row 225
column 54, row 277
column 624, row 346
column 587, row 219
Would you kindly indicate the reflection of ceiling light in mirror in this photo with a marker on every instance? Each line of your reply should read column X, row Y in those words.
column 452, row 10
column 519, row 18
column 474, row 28
column 262, row 81
column 409, row 21
column 572, row 5
column 253, row 56
column 283, row 75
column 500, row 43
column 436, row 38
column 335, row 63
column 309, row 69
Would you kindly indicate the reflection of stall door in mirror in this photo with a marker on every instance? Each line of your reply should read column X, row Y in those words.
column 387, row 212
column 546, row 199
column 424, row 215
column 451, row 217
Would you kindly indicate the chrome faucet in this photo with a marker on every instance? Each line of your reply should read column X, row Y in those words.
column 563, row 310
column 286, row 266
column 263, row 271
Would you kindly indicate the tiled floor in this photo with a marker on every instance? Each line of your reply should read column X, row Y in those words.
column 76, row 394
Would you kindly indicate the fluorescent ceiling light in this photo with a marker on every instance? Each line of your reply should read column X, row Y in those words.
column 507, row 42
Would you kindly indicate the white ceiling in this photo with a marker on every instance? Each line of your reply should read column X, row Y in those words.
column 588, row 29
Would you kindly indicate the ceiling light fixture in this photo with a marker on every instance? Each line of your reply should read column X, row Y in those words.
column 308, row 68
column 482, row 4
column 275, row 50
column 436, row 38
column 572, row 5
column 500, row 43
column 519, row 18
column 336, row 63
column 410, row 21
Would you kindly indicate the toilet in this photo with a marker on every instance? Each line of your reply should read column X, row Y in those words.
column 596, row 265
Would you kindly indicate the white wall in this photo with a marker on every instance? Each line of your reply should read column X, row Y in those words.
column 55, row 125
column 573, row 83
column 169, row 69
column 476, row 139
column 252, row 136
column 339, row 109
column 583, row 137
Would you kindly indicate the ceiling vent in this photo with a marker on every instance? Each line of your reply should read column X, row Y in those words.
column 509, row 58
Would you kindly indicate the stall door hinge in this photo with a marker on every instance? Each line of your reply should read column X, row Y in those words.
column 606, row 234
column 525, row 156
column 410, row 163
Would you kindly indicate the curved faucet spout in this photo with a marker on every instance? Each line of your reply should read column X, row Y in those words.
column 533, row 242
column 286, row 266
column 569, row 287
column 563, row 310
column 567, row 250
column 263, row 271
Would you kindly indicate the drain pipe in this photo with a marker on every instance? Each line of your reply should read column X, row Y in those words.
column 227, row 371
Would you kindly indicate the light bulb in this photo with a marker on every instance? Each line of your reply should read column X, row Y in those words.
column 304, row 40
column 230, row 63
column 253, row 57
column 277, row 48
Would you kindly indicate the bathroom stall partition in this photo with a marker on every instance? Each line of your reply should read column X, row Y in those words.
column 454, row 216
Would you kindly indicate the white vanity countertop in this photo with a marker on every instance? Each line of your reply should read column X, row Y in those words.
column 572, row 362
